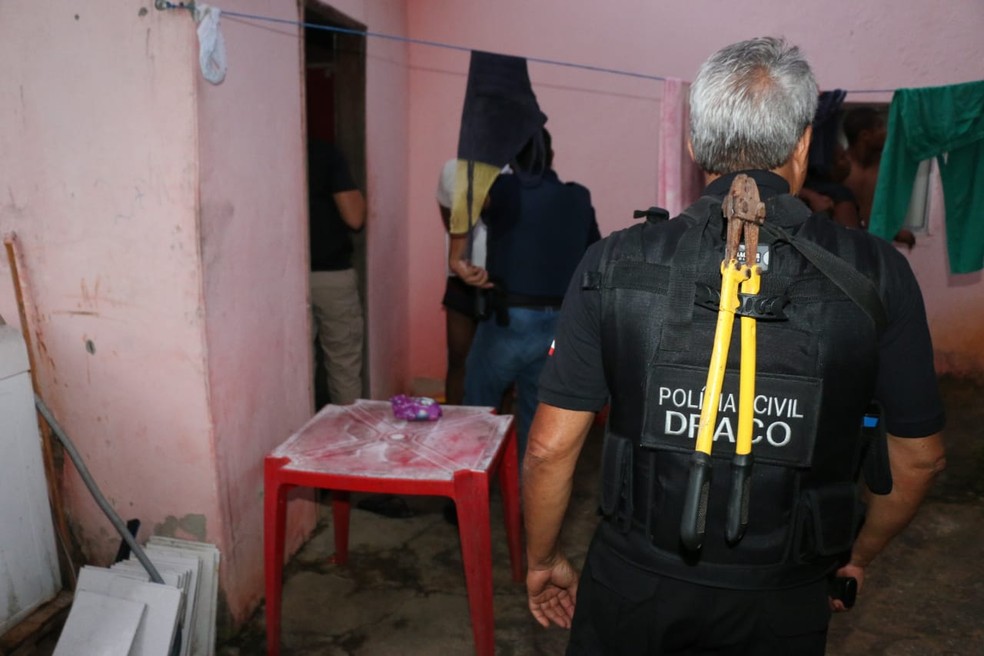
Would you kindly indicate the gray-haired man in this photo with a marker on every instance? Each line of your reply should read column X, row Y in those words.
column 840, row 323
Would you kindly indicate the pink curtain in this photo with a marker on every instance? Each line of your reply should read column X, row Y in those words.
column 680, row 181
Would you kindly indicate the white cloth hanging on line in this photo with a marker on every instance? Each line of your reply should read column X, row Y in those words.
column 211, row 46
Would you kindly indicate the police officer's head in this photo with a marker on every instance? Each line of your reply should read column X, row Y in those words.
column 751, row 106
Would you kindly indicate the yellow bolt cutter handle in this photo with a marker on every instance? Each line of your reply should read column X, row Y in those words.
column 741, row 465
column 693, row 524
column 744, row 212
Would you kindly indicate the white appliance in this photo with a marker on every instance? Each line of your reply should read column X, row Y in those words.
column 29, row 573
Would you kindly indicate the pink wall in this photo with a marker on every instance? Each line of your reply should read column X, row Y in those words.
column 162, row 222
column 100, row 182
column 605, row 127
column 391, row 297
column 253, row 225
column 954, row 303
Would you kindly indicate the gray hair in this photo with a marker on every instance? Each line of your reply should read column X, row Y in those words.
column 749, row 106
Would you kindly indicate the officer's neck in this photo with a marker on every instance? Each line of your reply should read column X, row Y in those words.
column 788, row 172
column 793, row 170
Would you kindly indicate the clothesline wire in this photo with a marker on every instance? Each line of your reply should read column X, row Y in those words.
column 436, row 44
column 447, row 46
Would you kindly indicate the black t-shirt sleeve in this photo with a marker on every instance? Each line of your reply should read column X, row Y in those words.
column 573, row 378
column 329, row 172
column 341, row 177
column 907, row 386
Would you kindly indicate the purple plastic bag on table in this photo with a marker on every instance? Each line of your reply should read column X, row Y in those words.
column 415, row 408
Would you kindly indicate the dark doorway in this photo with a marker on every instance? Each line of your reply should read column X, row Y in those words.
column 335, row 94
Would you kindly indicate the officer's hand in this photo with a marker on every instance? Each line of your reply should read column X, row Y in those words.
column 853, row 571
column 552, row 593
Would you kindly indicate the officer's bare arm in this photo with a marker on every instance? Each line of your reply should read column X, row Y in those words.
column 915, row 463
column 352, row 206
column 555, row 442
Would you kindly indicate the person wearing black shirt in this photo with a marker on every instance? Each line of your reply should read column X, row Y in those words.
column 337, row 208
column 634, row 333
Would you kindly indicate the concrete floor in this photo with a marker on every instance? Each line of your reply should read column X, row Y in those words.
column 403, row 591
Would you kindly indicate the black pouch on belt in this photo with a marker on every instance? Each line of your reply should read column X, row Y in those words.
column 877, row 469
column 495, row 298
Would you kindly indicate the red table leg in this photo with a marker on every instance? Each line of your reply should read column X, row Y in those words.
column 274, row 525
column 509, row 485
column 471, row 490
column 341, row 508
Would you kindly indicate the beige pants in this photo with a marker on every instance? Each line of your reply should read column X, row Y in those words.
column 338, row 321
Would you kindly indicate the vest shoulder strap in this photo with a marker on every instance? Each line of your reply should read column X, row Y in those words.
column 593, row 279
column 855, row 285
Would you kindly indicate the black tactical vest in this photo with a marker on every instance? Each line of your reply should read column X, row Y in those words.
column 816, row 368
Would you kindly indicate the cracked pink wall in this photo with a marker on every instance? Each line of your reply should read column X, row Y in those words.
column 163, row 229
column 99, row 181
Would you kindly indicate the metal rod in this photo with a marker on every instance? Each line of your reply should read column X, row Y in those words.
column 114, row 518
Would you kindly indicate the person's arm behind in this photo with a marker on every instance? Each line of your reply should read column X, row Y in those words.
column 352, row 207
column 555, row 442
column 464, row 269
column 915, row 462
column 845, row 213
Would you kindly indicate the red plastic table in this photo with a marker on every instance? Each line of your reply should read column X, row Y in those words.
column 363, row 448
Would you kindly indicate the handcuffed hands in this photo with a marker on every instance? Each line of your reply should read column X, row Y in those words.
column 471, row 274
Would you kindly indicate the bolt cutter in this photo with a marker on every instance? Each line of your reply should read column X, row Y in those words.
column 744, row 213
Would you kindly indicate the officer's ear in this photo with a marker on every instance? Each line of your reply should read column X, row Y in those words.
column 801, row 159
column 802, row 150
column 708, row 177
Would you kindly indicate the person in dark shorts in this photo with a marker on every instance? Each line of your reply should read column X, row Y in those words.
column 460, row 299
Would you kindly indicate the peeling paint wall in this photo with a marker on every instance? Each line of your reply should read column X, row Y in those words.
column 162, row 221
column 162, row 228
column 189, row 527
column 98, row 178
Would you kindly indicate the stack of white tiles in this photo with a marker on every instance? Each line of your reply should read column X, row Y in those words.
column 118, row 611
